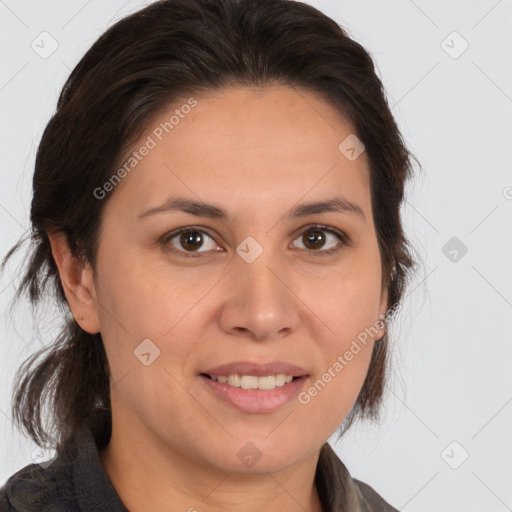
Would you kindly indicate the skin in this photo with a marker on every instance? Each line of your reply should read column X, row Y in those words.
column 255, row 153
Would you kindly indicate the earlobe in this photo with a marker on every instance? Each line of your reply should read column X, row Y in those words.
column 383, row 309
column 77, row 281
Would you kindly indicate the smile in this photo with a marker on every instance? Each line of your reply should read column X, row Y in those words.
column 254, row 394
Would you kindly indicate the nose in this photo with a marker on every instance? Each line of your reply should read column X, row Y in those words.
column 260, row 304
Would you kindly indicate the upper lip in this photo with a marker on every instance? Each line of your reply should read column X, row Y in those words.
column 258, row 370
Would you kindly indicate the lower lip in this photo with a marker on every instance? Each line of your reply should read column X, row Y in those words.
column 256, row 400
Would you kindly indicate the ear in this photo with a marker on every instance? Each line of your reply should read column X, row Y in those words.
column 78, row 283
column 383, row 308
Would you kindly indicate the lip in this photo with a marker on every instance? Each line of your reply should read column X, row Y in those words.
column 258, row 370
column 255, row 400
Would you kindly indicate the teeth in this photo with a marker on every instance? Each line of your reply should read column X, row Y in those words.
column 234, row 380
column 254, row 382
column 280, row 379
column 249, row 382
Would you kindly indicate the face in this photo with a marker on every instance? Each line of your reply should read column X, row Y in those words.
column 248, row 281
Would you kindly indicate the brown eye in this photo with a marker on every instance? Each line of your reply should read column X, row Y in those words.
column 191, row 240
column 188, row 241
column 316, row 238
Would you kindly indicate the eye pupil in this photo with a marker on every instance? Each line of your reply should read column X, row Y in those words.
column 188, row 238
column 312, row 237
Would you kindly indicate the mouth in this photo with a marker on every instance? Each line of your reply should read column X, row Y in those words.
column 254, row 388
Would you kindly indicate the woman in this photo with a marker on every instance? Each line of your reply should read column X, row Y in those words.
column 216, row 202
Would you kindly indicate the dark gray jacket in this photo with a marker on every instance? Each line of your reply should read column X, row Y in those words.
column 77, row 482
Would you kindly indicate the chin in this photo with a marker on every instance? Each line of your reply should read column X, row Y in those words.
column 257, row 456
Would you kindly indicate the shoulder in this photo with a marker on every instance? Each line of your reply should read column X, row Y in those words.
column 35, row 488
column 5, row 504
column 41, row 487
column 371, row 500
column 73, row 480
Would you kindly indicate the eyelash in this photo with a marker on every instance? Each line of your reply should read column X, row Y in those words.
column 342, row 237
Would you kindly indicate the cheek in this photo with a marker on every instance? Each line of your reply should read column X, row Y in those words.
column 346, row 301
column 348, row 306
column 144, row 298
column 140, row 302
column 332, row 393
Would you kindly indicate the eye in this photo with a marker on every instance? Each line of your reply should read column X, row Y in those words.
column 189, row 240
column 314, row 238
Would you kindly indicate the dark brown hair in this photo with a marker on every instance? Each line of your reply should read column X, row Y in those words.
column 173, row 49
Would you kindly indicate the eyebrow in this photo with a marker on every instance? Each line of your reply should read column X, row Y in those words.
column 202, row 209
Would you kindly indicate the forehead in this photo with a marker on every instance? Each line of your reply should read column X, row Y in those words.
column 252, row 146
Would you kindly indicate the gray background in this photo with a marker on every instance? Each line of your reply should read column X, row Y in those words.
column 450, row 396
